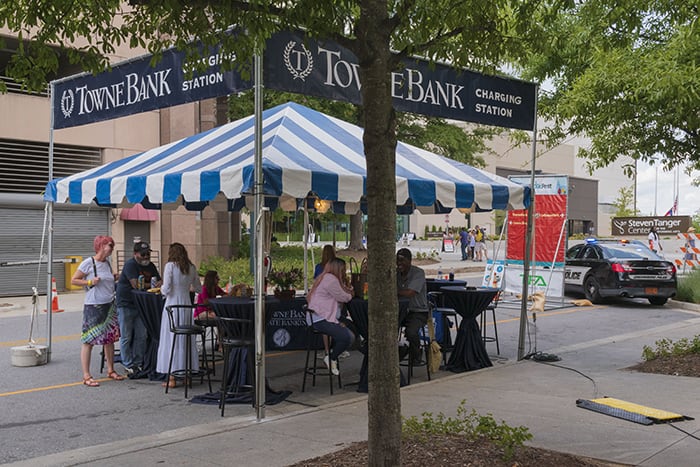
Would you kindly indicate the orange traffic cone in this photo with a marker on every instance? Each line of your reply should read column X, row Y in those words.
column 54, row 299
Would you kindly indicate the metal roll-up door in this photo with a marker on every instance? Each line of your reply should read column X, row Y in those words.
column 21, row 241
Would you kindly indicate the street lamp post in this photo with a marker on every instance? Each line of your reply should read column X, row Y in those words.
column 656, row 186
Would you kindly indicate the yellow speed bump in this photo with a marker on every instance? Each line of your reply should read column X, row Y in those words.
column 630, row 411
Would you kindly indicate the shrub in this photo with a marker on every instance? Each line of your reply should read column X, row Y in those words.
column 667, row 348
column 283, row 258
column 471, row 425
column 689, row 288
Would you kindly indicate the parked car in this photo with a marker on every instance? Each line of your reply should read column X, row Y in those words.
column 619, row 268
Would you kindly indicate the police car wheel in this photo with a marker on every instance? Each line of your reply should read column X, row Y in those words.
column 591, row 289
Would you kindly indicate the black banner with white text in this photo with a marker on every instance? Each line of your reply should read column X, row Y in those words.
column 296, row 64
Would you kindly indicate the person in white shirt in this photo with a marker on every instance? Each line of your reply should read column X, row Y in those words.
column 654, row 243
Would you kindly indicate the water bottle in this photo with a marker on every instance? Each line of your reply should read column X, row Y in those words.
column 439, row 274
column 452, row 274
column 139, row 282
column 154, row 281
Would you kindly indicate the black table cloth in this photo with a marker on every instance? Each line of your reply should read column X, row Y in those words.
column 285, row 321
column 285, row 325
column 357, row 309
column 469, row 351
column 434, row 285
column 150, row 305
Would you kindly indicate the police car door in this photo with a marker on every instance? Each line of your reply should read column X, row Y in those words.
column 576, row 265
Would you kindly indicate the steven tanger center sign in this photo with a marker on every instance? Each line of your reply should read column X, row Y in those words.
column 665, row 225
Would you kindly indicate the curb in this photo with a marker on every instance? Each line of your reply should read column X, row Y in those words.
column 685, row 305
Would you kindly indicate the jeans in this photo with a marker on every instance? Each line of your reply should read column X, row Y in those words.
column 464, row 251
column 342, row 336
column 132, row 342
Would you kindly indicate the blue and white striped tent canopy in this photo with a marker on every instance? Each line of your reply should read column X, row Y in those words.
column 305, row 152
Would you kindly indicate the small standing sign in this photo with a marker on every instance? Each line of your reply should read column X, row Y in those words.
column 448, row 245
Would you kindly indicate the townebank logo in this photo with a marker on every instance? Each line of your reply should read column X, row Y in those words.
column 300, row 63
column 67, row 102
column 131, row 89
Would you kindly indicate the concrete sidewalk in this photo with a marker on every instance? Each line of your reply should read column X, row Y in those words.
column 539, row 396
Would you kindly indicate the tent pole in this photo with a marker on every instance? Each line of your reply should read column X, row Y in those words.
column 49, row 252
column 528, row 238
column 259, row 252
column 306, row 247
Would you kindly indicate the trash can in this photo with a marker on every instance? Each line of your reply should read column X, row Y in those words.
column 71, row 265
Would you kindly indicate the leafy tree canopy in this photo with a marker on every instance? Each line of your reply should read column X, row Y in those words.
column 624, row 203
column 625, row 73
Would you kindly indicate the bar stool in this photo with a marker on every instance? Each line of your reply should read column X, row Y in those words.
column 444, row 314
column 314, row 343
column 482, row 322
column 237, row 334
column 117, row 357
column 211, row 325
column 185, row 330
column 410, row 363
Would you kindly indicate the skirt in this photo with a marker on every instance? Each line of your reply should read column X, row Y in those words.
column 100, row 324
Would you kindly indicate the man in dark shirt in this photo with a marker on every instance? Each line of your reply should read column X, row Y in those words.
column 411, row 285
column 132, row 343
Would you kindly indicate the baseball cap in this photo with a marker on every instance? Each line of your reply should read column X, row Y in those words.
column 142, row 247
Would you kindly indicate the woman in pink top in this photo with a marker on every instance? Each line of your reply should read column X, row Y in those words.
column 210, row 289
column 328, row 292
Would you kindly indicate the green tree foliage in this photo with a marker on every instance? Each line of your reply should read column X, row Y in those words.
column 625, row 73
column 474, row 34
column 624, row 203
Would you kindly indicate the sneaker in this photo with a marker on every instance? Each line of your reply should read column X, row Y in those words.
column 345, row 354
column 334, row 367
column 129, row 371
column 325, row 361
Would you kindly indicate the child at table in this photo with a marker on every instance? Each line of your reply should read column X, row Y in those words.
column 211, row 289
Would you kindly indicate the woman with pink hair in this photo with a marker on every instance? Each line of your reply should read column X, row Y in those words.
column 100, row 321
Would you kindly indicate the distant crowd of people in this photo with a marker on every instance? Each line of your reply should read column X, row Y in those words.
column 473, row 244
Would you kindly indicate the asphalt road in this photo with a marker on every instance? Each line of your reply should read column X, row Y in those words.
column 46, row 409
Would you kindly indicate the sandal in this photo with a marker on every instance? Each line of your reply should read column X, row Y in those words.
column 90, row 382
column 170, row 384
column 115, row 376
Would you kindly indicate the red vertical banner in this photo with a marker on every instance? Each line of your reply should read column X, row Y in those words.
column 517, row 231
column 550, row 219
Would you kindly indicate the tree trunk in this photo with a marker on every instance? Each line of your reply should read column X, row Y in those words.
column 384, row 402
column 356, row 232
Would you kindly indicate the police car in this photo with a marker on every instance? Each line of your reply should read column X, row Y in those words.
column 618, row 268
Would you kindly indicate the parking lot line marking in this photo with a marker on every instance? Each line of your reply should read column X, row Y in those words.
column 46, row 388
column 41, row 340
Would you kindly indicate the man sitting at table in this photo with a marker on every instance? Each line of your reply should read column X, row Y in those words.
column 411, row 284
